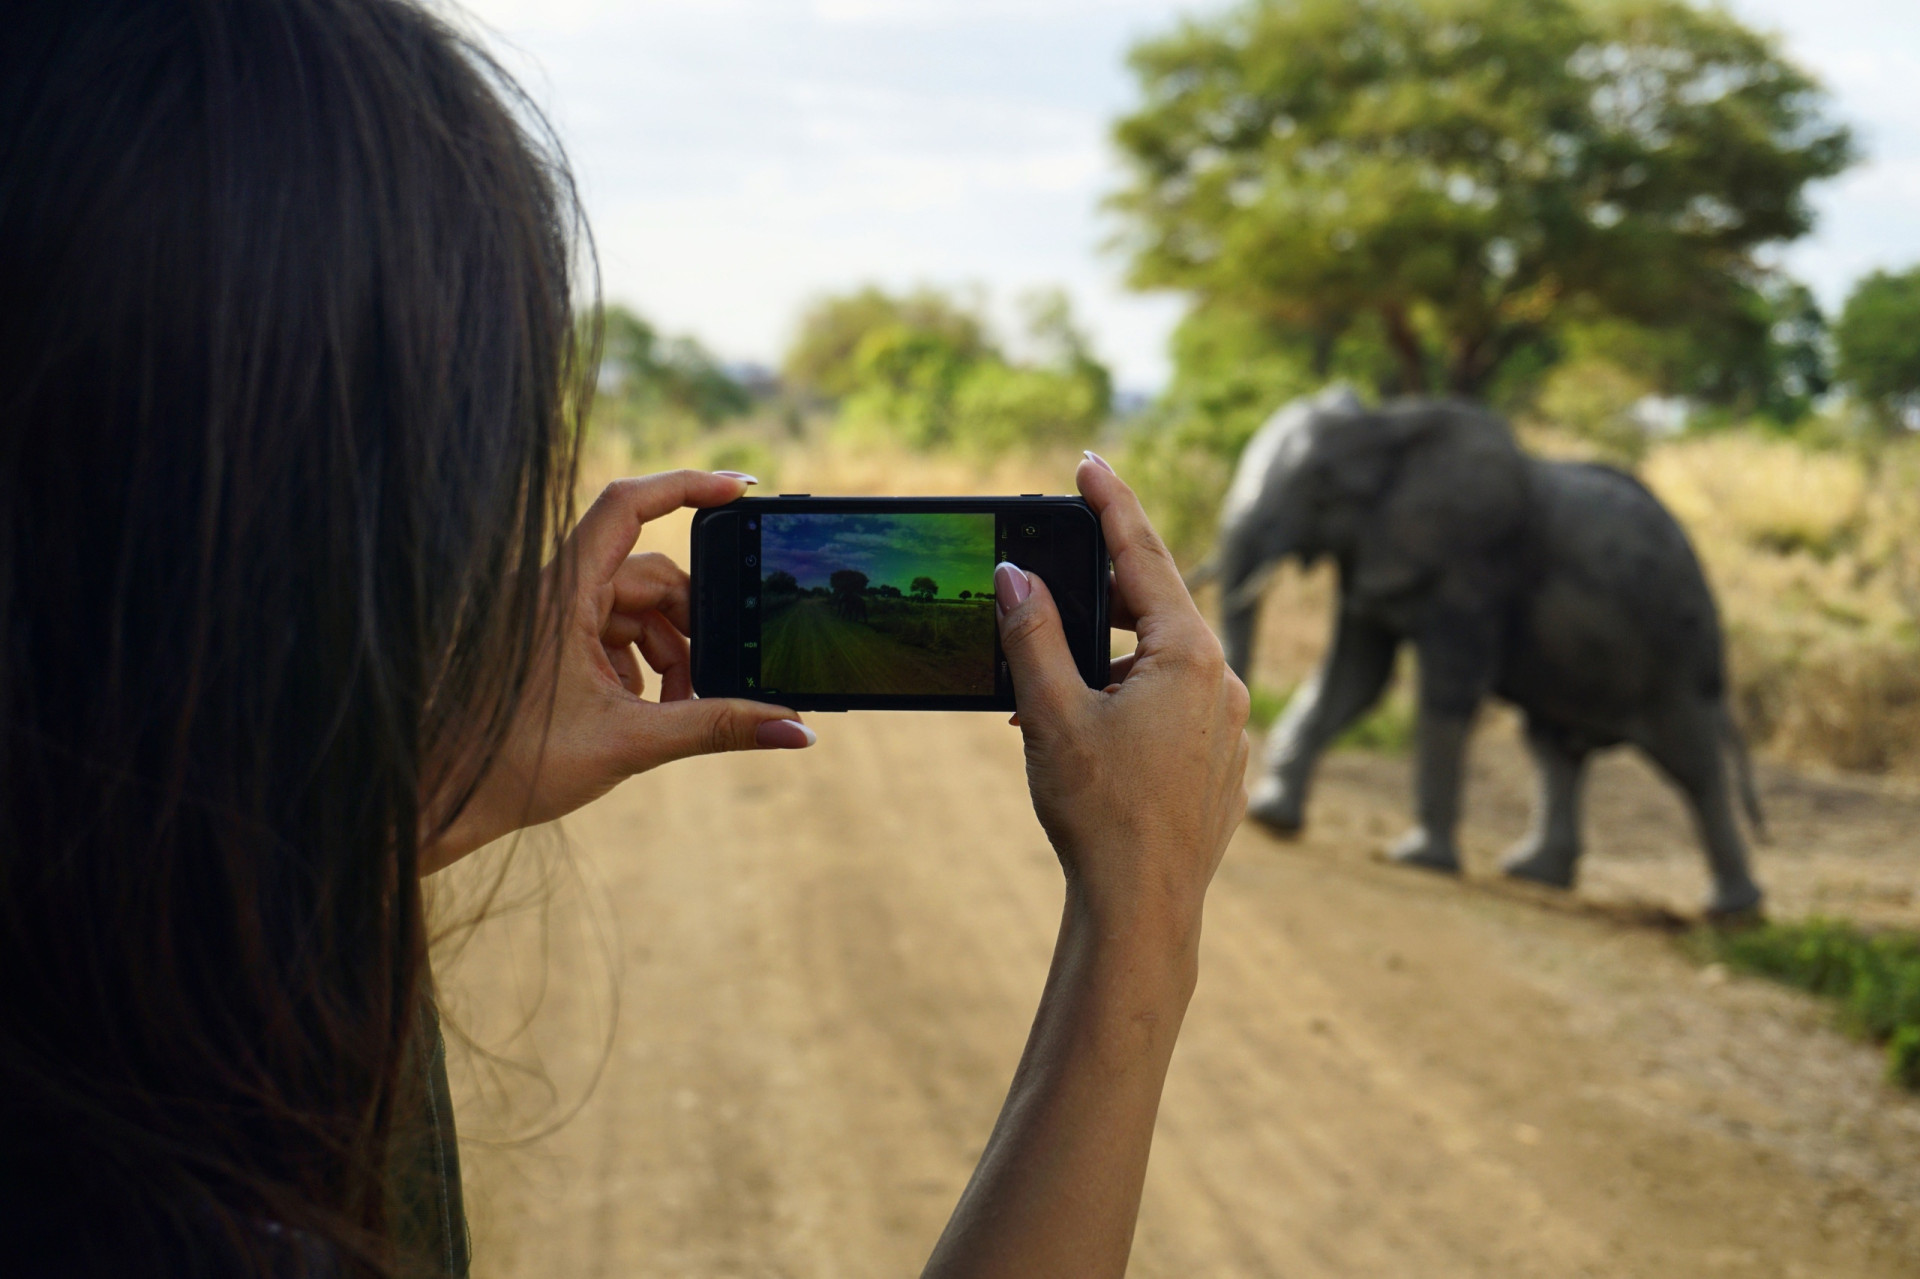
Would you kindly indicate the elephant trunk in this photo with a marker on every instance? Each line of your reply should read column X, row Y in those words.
column 1244, row 564
column 1250, row 549
column 1237, row 621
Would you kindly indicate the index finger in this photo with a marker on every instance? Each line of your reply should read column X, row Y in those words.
column 611, row 526
column 1146, row 579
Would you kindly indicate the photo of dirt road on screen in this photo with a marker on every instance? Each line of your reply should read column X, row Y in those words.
column 864, row 604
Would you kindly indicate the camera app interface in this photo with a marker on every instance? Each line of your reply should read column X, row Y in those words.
column 887, row 604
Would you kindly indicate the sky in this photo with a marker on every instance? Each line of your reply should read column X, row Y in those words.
column 956, row 551
column 739, row 157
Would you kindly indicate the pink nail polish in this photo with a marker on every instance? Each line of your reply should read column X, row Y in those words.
column 742, row 476
column 1101, row 462
column 1011, row 586
column 784, row 735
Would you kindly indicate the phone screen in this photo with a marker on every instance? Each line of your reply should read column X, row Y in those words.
column 884, row 603
column 859, row 604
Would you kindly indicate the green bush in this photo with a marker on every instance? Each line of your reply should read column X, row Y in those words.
column 1266, row 704
column 920, row 370
column 1387, row 728
column 1180, row 482
column 905, row 380
column 1875, row 977
column 999, row 406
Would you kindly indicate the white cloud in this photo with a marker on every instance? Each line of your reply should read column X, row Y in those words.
column 738, row 156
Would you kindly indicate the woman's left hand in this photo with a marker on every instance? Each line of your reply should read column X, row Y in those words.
column 582, row 730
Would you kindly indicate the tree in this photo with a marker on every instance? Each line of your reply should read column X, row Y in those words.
column 849, row 594
column 966, row 595
column 1059, row 396
column 825, row 358
column 651, row 372
column 904, row 380
column 1878, row 341
column 781, row 583
column 1061, row 346
column 924, row 588
column 921, row 368
column 1454, row 178
column 998, row 406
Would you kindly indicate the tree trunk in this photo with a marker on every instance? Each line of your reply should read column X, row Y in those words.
column 1324, row 339
column 1477, row 359
column 1468, row 374
column 1406, row 350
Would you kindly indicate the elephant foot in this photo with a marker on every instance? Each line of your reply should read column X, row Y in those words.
column 1539, row 865
column 1417, row 848
column 1735, row 900
column 1277, row 808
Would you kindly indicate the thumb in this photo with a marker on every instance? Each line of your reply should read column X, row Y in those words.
column 1044, row 675
column 710, row 725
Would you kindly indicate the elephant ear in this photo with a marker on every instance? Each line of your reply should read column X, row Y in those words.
column 1451, row 507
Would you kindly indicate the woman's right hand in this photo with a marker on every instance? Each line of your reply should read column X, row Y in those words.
column 1138, row 786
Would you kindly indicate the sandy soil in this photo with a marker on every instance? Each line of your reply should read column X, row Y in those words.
column 826, row 963
column 802, row 981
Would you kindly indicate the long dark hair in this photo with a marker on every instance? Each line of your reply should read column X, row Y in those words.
column 290, row 386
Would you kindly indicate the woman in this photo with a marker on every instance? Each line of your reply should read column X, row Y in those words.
column 293, row 611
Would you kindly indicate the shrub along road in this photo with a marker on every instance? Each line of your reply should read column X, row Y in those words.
column 829, row 960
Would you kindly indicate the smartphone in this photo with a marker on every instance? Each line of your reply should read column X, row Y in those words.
column 867, row 603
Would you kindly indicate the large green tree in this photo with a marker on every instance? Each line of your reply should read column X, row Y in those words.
column 1455, row 178
column 1878, row 341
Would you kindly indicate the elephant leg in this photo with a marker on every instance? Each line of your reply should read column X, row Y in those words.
column 1440, row 744
column 1348, row 682
column 1686, row 743
column 1459, row 652
column 1551, row 850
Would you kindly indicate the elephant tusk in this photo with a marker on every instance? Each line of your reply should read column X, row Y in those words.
column 1247, row 594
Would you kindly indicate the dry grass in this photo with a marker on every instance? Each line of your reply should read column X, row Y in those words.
column 1770, row 495
column 1813, row 557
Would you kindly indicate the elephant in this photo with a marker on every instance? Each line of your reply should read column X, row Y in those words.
column 1563, row 588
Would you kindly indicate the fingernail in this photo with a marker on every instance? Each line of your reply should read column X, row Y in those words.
column 1100, row 462
column 784, row 735
column 742, row 476
column 1011, row 587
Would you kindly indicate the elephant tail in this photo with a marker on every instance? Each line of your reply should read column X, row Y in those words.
column 1743, row 772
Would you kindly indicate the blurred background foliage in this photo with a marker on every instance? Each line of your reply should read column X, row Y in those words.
column 1565, row 209
column 657, row 392
column 924, row 370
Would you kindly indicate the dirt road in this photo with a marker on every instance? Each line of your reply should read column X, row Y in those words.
column 828, row 962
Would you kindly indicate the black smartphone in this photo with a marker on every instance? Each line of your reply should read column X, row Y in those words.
column 869, row 603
